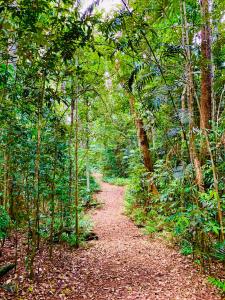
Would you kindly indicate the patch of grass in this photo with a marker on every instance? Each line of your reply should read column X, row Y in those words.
column 120, row 181
column 220, row 284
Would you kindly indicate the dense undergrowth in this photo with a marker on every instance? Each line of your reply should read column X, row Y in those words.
column 64, row 227
column 120, row 181
column 193, row 228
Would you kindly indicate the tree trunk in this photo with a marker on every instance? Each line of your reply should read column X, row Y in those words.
column 70, row 154
column 53, row 204
column 36, row 230
column 206, row 68
column 142, row 137
column 144, row 145
column 5, row 193
column 190, row 95
column 76, row 175
column 87, row 156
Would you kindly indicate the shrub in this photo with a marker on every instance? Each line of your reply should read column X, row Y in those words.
column 4, row 224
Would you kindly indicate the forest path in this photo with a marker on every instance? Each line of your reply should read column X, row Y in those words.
column 124, row 264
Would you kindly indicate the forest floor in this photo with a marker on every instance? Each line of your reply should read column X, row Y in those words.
column 122, row 264
column 125, row 264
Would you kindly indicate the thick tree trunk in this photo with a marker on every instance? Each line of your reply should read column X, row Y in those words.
column 206, row 68
column 144, row 145
column 142, row 137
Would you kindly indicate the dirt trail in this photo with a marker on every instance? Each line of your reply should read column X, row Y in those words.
column 124, row 264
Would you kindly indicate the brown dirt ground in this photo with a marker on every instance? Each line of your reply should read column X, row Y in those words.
column 123, row 264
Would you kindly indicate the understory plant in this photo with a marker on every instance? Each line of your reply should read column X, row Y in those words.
column 191, row 216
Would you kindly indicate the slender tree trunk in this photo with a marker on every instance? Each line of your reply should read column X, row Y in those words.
column 190, row 95
column 5, row 193
column 36, row 230
column 37, row 177
column 87, row 150
column 52, row 206
column 10, row 193
column 206, row 67
column 70, row 154
column 28, row 213
column 183, row 104
column 38, row 159
column 183, row 112
column 76, row 174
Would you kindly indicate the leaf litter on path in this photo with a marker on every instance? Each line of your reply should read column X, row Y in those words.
column 122, row 264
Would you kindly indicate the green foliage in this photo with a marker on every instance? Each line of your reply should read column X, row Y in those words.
column 218, row 251
column 139, row 216
column 70, row 239
column 220, row 284
column 195, row 229
column 51, row 55
column 4, row 223
column 86, row 196
column 115, row 162
column 151, row 227
column 120, row 181
column 186, row 247
column 85, row 227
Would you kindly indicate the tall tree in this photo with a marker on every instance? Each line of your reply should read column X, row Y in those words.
column 142, row 137
column 206, row 66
